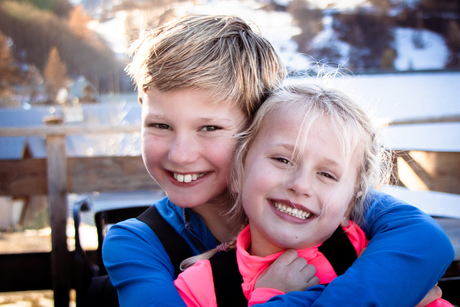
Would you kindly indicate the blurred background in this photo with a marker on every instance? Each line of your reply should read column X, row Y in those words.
column 79, row 47
column 62, row 62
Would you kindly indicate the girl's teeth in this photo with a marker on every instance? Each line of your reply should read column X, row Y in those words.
column 187, row 178
column 292, row 211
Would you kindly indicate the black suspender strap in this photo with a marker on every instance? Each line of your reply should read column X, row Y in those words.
column 176, row 246
column 227, row 280
column 339, row 251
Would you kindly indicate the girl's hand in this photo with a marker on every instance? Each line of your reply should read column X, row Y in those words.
column 288, row 273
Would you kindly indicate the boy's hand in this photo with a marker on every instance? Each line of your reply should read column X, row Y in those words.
column 288, row 273
column 431, row 296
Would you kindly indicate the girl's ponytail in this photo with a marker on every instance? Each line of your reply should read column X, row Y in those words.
column 223, row 247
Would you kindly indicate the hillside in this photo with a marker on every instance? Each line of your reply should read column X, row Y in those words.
column 412, row 48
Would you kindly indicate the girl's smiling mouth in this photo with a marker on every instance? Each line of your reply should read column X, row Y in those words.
column 295, row 212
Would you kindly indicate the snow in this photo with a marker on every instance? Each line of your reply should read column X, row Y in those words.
column 433, row 56
column 113, row 31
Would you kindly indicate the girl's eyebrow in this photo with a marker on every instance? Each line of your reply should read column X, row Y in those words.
column 287, row 146
column 327, row 160
column 331, row 161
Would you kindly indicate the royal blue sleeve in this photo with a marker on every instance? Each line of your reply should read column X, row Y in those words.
column 139, row 266
column 408, row 253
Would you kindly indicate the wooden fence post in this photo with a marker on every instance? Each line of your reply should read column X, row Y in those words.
column 57, row 191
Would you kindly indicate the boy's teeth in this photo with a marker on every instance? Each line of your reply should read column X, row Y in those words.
column 187, row 178
column 292, row 211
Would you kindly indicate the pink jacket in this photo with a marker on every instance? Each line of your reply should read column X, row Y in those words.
column 196, row 286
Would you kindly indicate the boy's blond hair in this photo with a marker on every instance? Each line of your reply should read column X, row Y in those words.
column 220, row 54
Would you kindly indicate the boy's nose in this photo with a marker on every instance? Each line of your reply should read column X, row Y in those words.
column 183, row 150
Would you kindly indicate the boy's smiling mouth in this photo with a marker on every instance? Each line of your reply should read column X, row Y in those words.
column 298, row 213
column 187, row 178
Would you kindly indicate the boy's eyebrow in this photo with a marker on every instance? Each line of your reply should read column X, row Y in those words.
column 210, row 119
column 155, row 116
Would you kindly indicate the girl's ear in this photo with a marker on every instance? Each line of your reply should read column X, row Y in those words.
column 345, row 221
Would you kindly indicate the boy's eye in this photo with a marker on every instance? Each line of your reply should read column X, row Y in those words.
column 160, row 126
column 210, row 128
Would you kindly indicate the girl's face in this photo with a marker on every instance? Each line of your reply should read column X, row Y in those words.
column 295, row 204
column 188, row 144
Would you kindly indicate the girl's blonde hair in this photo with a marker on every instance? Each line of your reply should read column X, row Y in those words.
column 352, row 124
column 221, row 54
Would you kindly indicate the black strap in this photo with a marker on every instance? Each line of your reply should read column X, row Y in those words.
column 101, row 293
column 227, row 280
column 176, row 246
column 339, row 251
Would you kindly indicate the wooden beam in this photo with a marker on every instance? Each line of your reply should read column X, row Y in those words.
column 429, row 170
column 31, row 271
column 67, row 130
column 25, row 271
column 422, row 120
column 106, row 174
column 27, row 177
column 61, row 269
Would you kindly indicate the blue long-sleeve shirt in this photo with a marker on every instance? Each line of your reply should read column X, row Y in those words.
column 407, row 254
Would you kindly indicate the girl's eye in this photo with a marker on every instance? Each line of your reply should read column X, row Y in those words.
column 282, row 160
column 327, row 175
column 210, row 128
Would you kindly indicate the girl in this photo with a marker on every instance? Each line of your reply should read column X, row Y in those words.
column 200, row 80
column 303, row 169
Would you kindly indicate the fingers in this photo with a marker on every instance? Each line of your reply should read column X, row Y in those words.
column 312, row 282
column 288, row 273
column 287, row 257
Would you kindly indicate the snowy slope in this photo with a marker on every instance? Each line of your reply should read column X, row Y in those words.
column 279, row 28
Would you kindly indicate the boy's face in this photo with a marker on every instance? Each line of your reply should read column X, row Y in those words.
column 275, row 184
column 188, row 144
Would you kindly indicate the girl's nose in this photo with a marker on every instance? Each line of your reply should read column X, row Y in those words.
column 183, row 150
column 300, row 181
